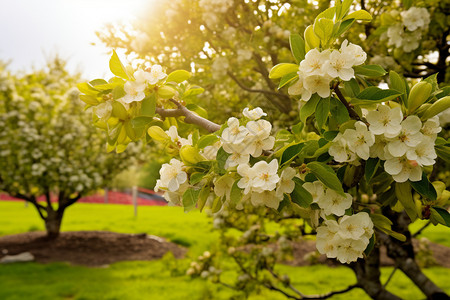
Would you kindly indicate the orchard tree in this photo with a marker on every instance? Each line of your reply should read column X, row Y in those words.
column 355, row 166
column 230, row 46
column 47, row 145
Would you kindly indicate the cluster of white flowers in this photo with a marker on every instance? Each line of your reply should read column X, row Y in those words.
column 387, row 62
column 135, row 88
column 330, row 202
column 407, row 33
column 405, row 144
column 345, row 239
column 242, row 141
column 173, row 180
column 318, row 69
column 211, row 8
column 176, row 139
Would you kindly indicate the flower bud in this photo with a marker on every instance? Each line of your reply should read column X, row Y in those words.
column 156, row 133
column 437, row 107
column 418, row 95
column 190, row 155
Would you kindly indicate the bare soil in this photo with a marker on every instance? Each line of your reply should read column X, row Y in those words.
column 99, row 248
column 89, row 248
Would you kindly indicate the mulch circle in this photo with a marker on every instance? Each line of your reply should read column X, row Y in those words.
column 89, row 248
column 99, row 248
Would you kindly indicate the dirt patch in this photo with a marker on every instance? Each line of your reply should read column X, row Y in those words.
column 302, row 249
column 89, row 248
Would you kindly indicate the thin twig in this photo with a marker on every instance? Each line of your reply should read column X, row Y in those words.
column 421, row 229
column 189, row 116
column 347, row 105
column 390, row 277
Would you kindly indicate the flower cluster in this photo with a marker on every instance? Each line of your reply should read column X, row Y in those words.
column 242, row 141
column 405, row 144
column 345, row 239
column 173, row 180
column 318, row 69
column 406, row 33
column 328, row 200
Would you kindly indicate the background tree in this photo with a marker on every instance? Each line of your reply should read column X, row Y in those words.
column 47, row 145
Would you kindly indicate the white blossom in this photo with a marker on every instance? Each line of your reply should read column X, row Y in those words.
column 298, row 89
column 415, row 18
column 265, row 177
column 319, row 84
column 172, row 175
column 267, row 198
column 340, row 65
column 409, row 136
column 156, row 74
column 359, row 139
column 402, row 169
column 316, row 189
column 286, row 185
column 354, row 53
column 385, row 121
column 254, row 114
column 333, row 203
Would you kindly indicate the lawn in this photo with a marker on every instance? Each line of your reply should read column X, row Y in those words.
column 155, row 280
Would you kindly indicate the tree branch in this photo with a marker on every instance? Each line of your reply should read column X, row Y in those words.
column 347, row 105
column 189, row 116
column 64, row 202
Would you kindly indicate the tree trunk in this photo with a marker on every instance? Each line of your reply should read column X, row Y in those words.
column 53, row 223
column 367, row 273
column 403, row 255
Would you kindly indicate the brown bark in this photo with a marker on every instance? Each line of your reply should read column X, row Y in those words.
column 53, row 223
column 367, row 273
column 403, row 255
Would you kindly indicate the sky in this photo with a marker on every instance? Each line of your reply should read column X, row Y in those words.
column 32, row 31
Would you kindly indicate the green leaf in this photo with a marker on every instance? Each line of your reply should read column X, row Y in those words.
column 311, row 39
column 119, row 111
column 118, row 92
column 198, row 110
column 396, row 82
column 196, row 177
column 287, row 79
column 300, row 195
column 309, row 108
column 352, row 87
column 326, row 175
column 193, row 91
column 190, row 198
column 370, row 70
column 344, row 8
column 361, row 15
column 443, row 152
column 344, row 26
column 443, row 213
column 290, row 153
column 87, row 89
column 322, row 111
column 383, row 224
column 280, row 70
column 424, row 187
column 371, row 168
column 235, row 193
column 404, row 195
column 222, row 157
column 141, row 121
column 148, row 105
column 338, row 111
column 369, row 247
column 432, row 79
column 330, row 135
column 98, row 82
column 207, row 140
column 203, row 196
column 88, row 99
column 323, row 28
column 297, row 47
column 407, row 4
column 375, row 95
column 116, row 67
column 178, row 76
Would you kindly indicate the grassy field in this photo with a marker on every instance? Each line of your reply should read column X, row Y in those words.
column 154, row 280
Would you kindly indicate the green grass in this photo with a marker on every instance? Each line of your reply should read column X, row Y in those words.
column 192, row 229
column 153, row 280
